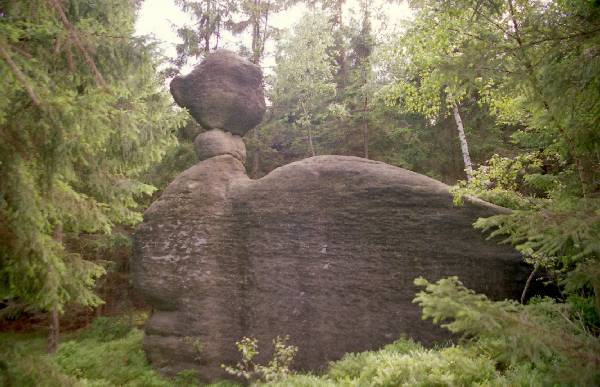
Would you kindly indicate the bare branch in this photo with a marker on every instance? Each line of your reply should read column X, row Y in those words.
column 528, row 283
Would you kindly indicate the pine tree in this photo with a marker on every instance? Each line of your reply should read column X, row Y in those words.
column 81, row 117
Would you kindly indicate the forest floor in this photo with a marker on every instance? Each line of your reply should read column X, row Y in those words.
column 108, row 352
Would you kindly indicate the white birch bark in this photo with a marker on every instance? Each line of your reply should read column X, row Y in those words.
column 463, row 143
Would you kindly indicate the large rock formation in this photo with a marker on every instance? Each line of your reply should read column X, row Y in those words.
column 323, row 250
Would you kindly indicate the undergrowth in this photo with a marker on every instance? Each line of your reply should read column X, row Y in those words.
column 504, row 343
column 107, row 353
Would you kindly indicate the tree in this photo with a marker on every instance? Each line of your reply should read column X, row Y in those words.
column 82, row 116
column 427, row 79
column 534, row 64
column 255, row 16
column 304, row 85
column 211, row 16
column 361, row 82
column 530, row 62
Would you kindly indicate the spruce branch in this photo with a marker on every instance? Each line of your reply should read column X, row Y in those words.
column 19, row 75
column 75, row 38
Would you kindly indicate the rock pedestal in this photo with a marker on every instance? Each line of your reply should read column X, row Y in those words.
column 324, row 250
column 215, row 142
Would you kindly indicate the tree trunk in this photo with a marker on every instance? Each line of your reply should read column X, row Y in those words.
column 255, row 20
column 54, row 330
column 207, row 29
column 340, row 47
column 54, row 323
column 528, row 283
column 310, row 141
column 366, row 128
column 463, row 143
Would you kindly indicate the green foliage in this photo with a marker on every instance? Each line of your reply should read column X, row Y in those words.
column 104, row 329
column 304, row 78
column 22, row 363
column 105, row 354
column 504, row 181
column 559, row 348
column 532, row 64
column 553, row 228
column 177, row 159
column 448, row 367
column 407, row 363
column 504, row 344
column 81, row 118
column 529, row 66
column 562, row 236
column 89, row 360
column 277, row 368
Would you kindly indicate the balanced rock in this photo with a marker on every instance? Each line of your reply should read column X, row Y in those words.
column 223, row 92
column 216, row 142
column 324, row 250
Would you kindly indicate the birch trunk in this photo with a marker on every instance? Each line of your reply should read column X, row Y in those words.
column 310, row 141
column 463, row 143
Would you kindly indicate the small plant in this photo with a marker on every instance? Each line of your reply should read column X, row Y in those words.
column 105, row 329
column 277, row 368
column 187, row 378
column 196, row 343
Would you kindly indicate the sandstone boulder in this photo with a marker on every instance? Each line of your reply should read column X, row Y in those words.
column 323, row 250
column 224, row 92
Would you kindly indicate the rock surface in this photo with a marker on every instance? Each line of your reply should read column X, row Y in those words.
column 323, row 250
column 216, row 142
column 224, row 91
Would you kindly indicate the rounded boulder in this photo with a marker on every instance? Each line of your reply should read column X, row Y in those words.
column 225, row 91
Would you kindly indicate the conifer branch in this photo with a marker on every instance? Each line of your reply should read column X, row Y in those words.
column 75, row 38
column 19, row 75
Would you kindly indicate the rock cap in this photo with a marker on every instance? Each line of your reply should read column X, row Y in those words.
column 224, row 91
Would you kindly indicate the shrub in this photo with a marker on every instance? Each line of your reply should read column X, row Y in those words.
column 277, row 368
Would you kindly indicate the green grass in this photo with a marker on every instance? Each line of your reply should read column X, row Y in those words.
column 108, row 353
